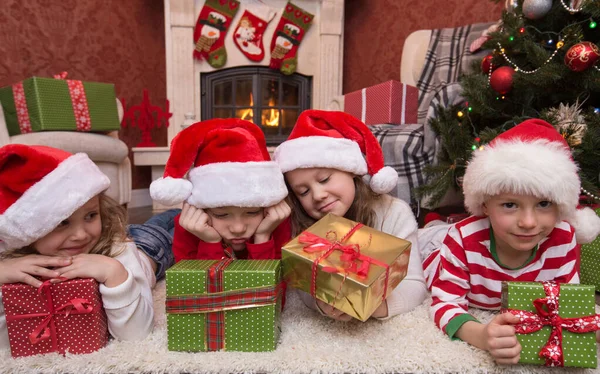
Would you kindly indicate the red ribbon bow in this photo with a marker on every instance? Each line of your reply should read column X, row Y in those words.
column 61, row 75
column 350, row 257
column 552, row 351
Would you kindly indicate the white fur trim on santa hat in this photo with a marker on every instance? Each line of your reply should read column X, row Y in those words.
column 384, row 181
column 539, row 168
column 320, row 152
column 587, row 225
column 240, row 184
column 51, row 200
column 170, row 191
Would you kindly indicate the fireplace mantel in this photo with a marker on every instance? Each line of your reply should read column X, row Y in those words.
column 320, row 56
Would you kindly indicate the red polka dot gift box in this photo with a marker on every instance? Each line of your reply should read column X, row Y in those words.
column 61, row 317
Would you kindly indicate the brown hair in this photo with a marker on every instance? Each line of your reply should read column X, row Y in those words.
column 114, row 219
column 361, row 210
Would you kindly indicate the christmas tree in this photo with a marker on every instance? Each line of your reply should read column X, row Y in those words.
column 541, row 65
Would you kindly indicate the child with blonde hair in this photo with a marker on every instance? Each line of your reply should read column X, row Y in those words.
column 324, row 161
column 522, row 190
column 56, row 222
column 233, row 195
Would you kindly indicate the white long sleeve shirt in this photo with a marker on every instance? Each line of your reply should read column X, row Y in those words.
column 128, row 306
column 394, row 217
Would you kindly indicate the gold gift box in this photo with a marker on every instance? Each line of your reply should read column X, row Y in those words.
column 358, row 296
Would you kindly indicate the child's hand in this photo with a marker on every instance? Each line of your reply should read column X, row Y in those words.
column 197, row 221
column 22, row 269
column 274, row 215
column 500, row 339
column 332, row 312
column 103, row 269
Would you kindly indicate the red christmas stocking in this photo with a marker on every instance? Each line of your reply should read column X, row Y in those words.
column 211, row 27
column 292, row 26
column 248, row 35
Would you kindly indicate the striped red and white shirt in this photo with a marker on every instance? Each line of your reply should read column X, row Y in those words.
column 463, row 273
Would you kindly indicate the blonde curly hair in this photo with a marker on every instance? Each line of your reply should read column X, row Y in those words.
column 114, row 220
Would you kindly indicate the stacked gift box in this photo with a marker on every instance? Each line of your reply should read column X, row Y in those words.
column 59, row 104
column 390, row 102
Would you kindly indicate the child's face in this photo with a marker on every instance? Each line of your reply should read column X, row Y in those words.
column 520, row 221
column 76, row 235
column 322, row 191
column 236, row 225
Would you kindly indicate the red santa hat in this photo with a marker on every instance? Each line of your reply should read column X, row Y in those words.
column 532, row 158
column 336, row 140
column 231, row 167
column 39, row 188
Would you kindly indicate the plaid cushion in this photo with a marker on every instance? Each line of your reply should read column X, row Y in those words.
column 404, row 150
column 409, row 148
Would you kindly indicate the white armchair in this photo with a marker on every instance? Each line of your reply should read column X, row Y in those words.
column 107, row 151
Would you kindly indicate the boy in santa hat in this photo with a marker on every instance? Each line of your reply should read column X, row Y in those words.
column 233, row 195
column 522, row 191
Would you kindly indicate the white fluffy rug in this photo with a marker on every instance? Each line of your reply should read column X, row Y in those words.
column 309, row 344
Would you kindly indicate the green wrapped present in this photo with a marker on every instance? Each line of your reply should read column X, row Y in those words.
column 558, row 322
column 58, row 104
column 590, row 262
column 231, row 305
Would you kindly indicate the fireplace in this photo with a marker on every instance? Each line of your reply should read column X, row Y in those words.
column 318, row 78
column 261, row 95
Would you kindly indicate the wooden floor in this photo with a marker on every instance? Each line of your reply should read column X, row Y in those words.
column 139, row 215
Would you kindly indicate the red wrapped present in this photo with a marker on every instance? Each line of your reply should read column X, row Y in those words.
column 389, row 102
column 62, row 317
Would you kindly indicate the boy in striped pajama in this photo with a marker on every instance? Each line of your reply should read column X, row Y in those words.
column 522, row 191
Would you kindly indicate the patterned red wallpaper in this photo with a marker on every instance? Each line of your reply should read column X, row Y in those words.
column 115, row 41
column 376, row 29
column 123, row 42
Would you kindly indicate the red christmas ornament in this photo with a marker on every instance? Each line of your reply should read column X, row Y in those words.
column 582, row 56
column 501, row 80
column 486, row 63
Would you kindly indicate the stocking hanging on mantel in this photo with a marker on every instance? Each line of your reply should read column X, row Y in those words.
column 146, row 117
column 209, row 34
column 248, row 35
column 292, row 26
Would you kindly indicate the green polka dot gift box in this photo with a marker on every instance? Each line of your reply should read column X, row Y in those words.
column 590, row 262
column 557, row 322
column 231, row 305
column 59, row 104
column 62, row 317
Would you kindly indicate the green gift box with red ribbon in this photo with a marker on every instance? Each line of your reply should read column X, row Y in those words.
column 59, row 104
column 557, row 322
column 57, row 317
column 231, row 305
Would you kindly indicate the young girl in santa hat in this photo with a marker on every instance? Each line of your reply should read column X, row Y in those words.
column 233, row 196
column 324, row 161
column 55, row 221
column 522, row 191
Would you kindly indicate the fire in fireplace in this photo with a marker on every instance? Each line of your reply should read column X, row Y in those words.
column 257, row 94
